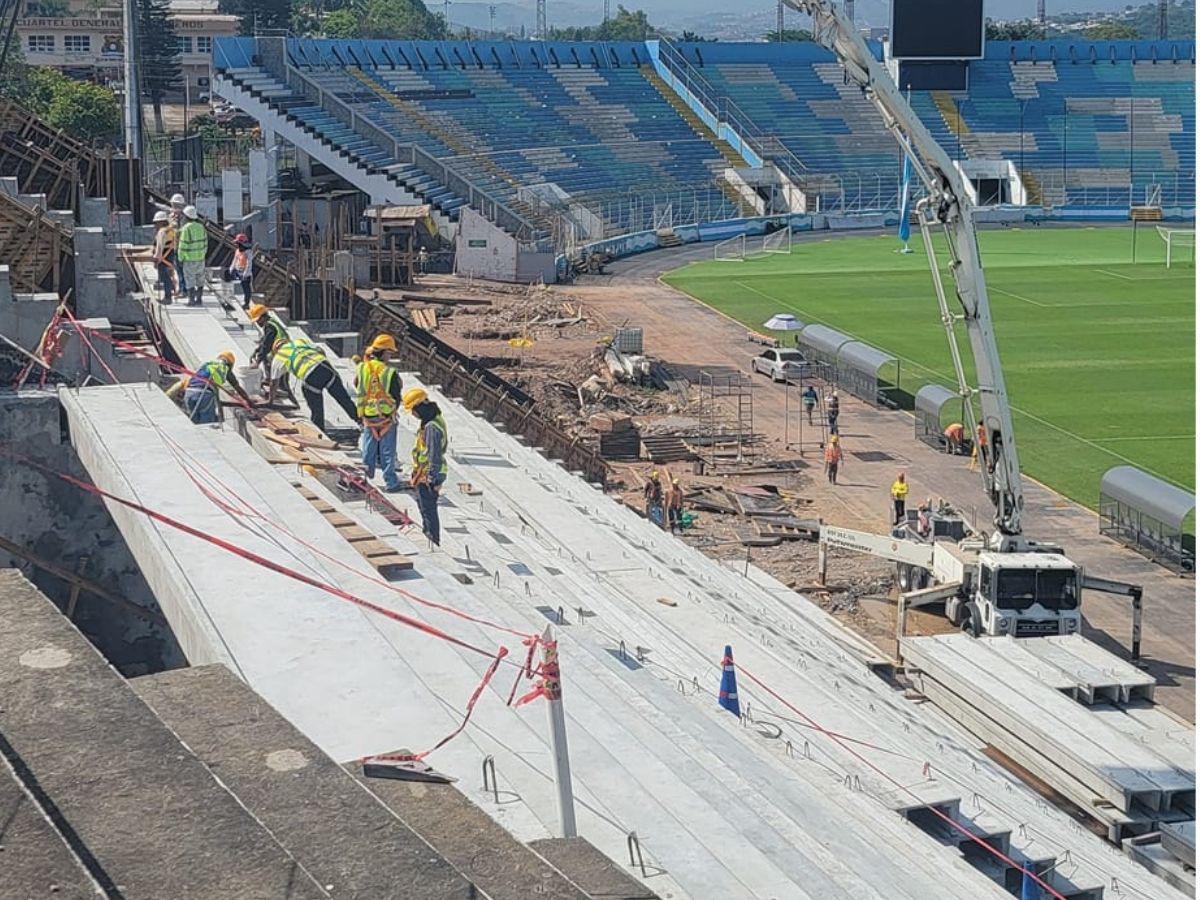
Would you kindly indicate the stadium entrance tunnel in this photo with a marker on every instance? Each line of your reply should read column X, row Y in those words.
column 936, row 408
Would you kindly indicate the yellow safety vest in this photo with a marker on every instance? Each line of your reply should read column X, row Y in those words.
column 375, row 399
column 899, row 490
column 299, row 357
column 420, row 453
column 193, row 242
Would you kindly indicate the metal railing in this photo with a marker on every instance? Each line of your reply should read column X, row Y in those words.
column 481, row 201
column 725, row 110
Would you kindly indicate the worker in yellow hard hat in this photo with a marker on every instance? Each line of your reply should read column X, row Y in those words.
column 428, row 458
column 306, row 362
column 833, row 458
column 379, row 396
column 200, row 388
column 273, row 330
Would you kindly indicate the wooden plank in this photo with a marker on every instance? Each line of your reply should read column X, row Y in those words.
column 355, row 533
column 339, row 520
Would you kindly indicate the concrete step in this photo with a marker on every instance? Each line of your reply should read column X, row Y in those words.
column 351, row 843
column 133, row 801
column 596, row 874
column 501, row 866
column 35, row 860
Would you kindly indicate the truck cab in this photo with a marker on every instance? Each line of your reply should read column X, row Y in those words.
column 1026, row 594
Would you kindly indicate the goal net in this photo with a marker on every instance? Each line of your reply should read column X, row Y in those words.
column 1180, row 241
column 733, row 249
column 778, row 242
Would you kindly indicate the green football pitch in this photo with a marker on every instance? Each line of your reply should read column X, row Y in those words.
column 1098, row 350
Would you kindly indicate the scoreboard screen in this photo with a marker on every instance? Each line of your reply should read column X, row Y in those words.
column 937, row 29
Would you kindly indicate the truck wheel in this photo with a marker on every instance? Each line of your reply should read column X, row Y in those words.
column 920, row 579
column 904, row 577
column 971, row 624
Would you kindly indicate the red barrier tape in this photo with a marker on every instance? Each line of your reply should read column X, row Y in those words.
column 945, row 818
column 257, row 559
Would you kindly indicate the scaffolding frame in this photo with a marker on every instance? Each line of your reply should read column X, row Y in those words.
column 726, row 419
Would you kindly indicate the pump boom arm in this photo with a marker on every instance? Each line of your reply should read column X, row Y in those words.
column 947, row 204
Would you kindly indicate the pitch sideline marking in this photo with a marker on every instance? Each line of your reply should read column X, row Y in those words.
column 1114, row 274
column 997, row 290
column 1017, row 409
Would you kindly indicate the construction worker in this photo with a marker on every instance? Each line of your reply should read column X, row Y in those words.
column 200, row 388
column 192, row 250
column 175, row 220
column 428, row 458
column 954, row 434
column 379, row 396
column 832, row 410
column 810, row 401
column 675, row 506
column 164, row 254
column 273, row 331
column 308, row 365
column 652, row 492
column 899, row 495
column 241, row 269
column 833, row 458
column 981, row 443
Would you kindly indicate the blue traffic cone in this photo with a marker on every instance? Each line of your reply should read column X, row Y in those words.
column 727, row 698
column 1029, row 887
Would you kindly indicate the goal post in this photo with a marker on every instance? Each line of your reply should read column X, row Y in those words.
column 731, row 250
column 778, row 241
column 1178, row 239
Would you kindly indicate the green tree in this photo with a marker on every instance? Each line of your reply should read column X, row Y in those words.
column 1110, row 31
column 691, row 37
column 341, row 23
column 14, row 77
column 385, row 20
column 790, row 35
column 626, row 25
column 1022, row 30
column 158, row 52
column 87, row 111
column 259, row 15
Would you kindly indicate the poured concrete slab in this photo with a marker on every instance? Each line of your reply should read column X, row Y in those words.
column 133, row 798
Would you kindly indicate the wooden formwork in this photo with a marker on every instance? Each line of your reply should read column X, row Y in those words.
column 39, row 252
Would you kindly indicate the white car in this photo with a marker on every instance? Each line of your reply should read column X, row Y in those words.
column 780, row 364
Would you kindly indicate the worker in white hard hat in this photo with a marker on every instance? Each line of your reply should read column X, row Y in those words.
column 428, row 458
column 192, row 252
column 164, row 254
column 175, row 220
column 380, row 393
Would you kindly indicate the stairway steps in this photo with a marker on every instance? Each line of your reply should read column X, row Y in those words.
column 334, row 827
column 147, row 813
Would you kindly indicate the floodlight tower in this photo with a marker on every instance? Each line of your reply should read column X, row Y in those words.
column 133, row 93
column 492, row 19
column 606, row 11
column 541, row 20
column 779, row 22
column 1162, row 19
column 446, row 13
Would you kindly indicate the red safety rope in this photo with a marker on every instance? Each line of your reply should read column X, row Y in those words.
column 945, row 818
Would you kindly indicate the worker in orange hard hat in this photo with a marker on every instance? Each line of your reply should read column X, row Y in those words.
column 273, row 330
column 379, row 397
column 200, row 388
column 241, row 269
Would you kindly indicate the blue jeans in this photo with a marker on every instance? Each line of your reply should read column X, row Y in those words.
column 382, row 452
column 201, row 406
column 427, row 500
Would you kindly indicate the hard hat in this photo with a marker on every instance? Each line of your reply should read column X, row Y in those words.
column 228, row 356
column 161, row 216
column 241, row 239
column 177, row 200
column 834, row 439
column 674, row 481
column 190, row 212
column 383, row 342
column 256, row 310
column 654, row 473
column 413, row 397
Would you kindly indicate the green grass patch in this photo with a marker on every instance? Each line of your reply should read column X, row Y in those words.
column 1098, row 351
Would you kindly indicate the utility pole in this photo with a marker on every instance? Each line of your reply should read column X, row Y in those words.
column 1162, row 19
column 446, row 13
column 133, row 93
column 1041, row 17
column 552, row 682
column 541, row 20
column 779, row 22
column 606, row 11
column 492, row 19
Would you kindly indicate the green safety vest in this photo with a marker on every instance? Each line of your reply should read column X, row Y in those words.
column 420, row 453
column 212, row 374
column 375, row 379
column 193, row 242
column 299, row 357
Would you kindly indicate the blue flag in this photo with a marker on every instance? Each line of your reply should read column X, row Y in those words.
column 1029, row 887
column 902, row 233
column 727, row 698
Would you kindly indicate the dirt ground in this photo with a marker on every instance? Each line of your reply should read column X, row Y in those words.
column 550, row 340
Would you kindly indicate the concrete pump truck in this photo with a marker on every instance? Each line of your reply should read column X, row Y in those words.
column 998, row 584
